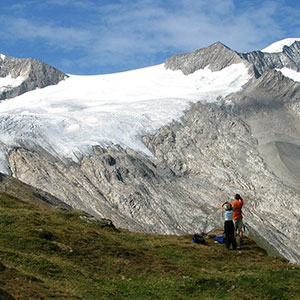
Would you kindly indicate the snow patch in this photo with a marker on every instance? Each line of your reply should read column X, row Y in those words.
column 69, row 118
column 290, row 73
column 8, row 82
column 2, row 56
column 278, row 46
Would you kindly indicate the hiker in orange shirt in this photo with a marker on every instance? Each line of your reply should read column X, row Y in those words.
column 237, row 218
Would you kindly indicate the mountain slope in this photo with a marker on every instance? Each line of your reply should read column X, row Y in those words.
column 49, row 254
column 108, row 145
column 12, row 187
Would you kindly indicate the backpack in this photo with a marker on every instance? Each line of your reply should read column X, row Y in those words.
column 198, row 239
column 220, row 239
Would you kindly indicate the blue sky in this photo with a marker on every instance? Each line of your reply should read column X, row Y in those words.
column 96, row 37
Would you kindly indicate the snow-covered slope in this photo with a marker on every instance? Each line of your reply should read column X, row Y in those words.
column 67, row 119
column 277, row 47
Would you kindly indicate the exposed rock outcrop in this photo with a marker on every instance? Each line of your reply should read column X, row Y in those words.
column 33, row 73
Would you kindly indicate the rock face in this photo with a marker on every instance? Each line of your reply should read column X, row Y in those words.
column 216, row 56
column 288, row 58
column 249, row 145
column 32, row 73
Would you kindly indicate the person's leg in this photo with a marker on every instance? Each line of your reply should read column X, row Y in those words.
column 226, row 230
column 240, row 231
column 235, row 227
column 232, row 237
column 234, row 243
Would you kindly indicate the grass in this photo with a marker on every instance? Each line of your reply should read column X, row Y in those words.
column 52, row 254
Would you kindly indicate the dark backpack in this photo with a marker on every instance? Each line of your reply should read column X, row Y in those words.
column 198, row 239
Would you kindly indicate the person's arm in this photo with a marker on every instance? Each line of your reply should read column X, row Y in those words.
column 222, row 205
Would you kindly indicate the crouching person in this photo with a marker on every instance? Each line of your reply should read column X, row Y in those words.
column 228, row 225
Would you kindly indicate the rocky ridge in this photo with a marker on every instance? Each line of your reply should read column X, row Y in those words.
column 219, row 56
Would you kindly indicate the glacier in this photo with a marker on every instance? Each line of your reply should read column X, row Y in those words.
column 69, row 118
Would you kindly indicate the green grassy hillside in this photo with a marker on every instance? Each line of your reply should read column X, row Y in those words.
column 53, row 254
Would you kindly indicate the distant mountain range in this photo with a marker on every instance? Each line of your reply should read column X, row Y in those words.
column 157, row 149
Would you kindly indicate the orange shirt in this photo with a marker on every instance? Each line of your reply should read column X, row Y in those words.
column 237, row 205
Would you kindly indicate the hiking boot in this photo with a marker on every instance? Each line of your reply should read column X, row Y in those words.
column 241, row 243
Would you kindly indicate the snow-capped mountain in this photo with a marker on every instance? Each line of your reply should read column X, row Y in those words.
column 157, row 149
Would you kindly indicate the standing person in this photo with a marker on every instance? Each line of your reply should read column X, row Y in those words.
column 237, row 204
column 228, row 225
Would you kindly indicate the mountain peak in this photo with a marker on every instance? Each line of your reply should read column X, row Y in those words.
column 220, row 44
column 277, row 47
column 217, row 56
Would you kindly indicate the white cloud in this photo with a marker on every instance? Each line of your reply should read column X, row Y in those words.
column 149, row 26
column 124, row 32
column 63, row 37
